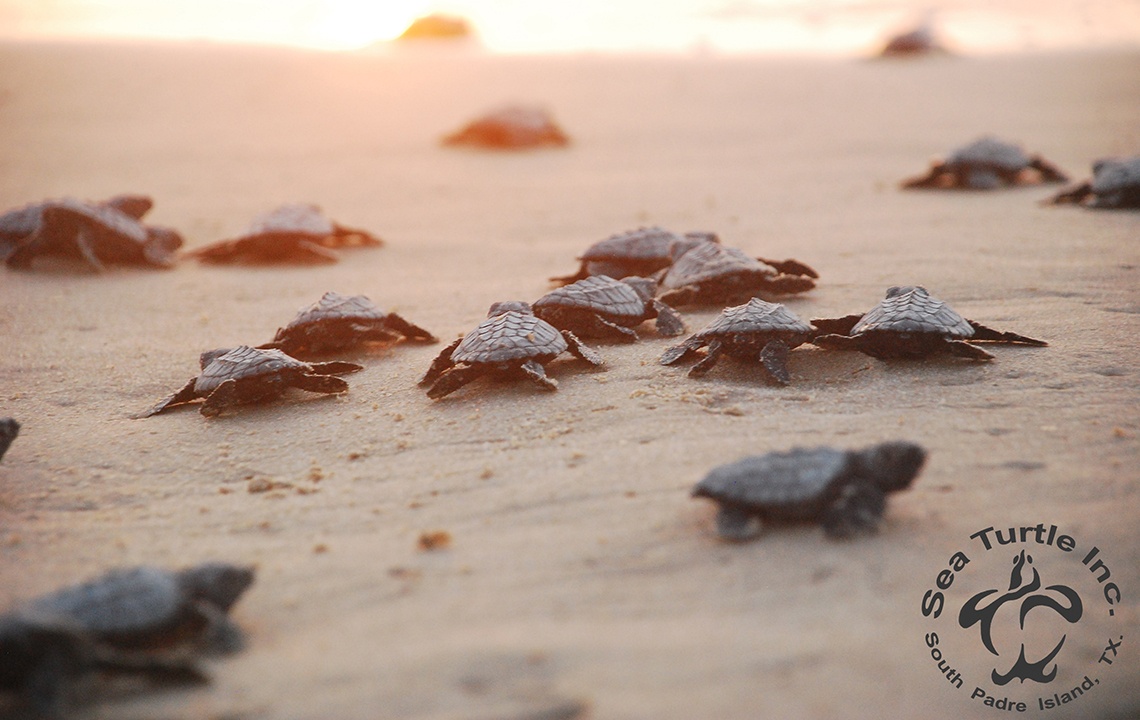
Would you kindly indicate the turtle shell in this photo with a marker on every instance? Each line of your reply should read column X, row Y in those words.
column 913, row 310
column 799, row 478
column 598, row 293
column 989, row 152
column 710, row 261
column 1113, row 175
column 122, row 603
column 754, row 317
column 303, row 218
column 511, row 335
column 646, row 243
column 243, row 363
column 334, row 306
column 511, row 127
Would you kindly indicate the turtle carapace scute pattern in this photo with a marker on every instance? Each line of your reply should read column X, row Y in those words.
column 9, row 429
column 601, row 307
column 294, row 233
column 340, row 322
column 639, row 253
column 910, row 323
column 94, row 234
column 712, row 273
column 845, row 491
column 756, row 332
column 511, row 128
column 511, row 342
column 1115, row 185
column 243, row 375
column 986, row 164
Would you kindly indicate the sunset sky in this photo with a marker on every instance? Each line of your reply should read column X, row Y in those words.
column 812, row 26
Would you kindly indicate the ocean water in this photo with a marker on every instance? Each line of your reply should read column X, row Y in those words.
column 814, row 27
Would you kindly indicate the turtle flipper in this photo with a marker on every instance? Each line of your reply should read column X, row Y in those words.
column 335, row 367
column 408, row 330
column 599, row 327
column 454, row 378
column 669, row 322
column 312, row 253
column 856, row 511
column 785, row 284
column 223, row 396
column 933, row 178
column 327, row 384
column 774, row 358
column 537, row 374
column 832, row 341
column 737, row 525
column 966, row 350
column 344, row 236
column 836, row 326
column 582, row 274
column 441, row 364
column 677, row 352
column 1050, row 173
column 715, row 349
column 1075, row 195
column 981, row 332
column 580, row 350
column 183, row 396
column 791, row 267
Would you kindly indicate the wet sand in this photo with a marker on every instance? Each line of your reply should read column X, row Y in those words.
column 581, row 580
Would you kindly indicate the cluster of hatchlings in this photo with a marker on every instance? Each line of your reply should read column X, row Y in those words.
column 154, row 623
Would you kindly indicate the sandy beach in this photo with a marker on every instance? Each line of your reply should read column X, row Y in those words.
column 581, row 580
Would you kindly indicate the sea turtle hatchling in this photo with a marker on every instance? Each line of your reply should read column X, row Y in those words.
column 602, row 307
column 1115, row 185
column 9, row 429
column 338, row 322
column 97, row 234
column 845, row 491
column 909, row 323
column 511, row 128
column 639, row 253
column 232, row 376
column 291, row 233
column 756, row 331
column 511, row 342
column 985, row 164
column 711, row 273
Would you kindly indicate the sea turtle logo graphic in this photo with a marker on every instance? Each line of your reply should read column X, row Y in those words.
column 1061, row 599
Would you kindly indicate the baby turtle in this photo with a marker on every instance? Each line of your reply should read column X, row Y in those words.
column 601, row 307
column 985, row 164
column 917, row 41
column 511, row 342
column 711, row 273
column 845, row 491
column 293, row 233
column 232, row 376
column 1115, row 185
column 755, row 331
column 98, row 234
column 639, row 253
column 338, row 322
column 909, row 323
column 511, row 128
column 9, row 429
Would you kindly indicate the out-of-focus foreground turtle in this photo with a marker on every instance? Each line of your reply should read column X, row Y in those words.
column 1115, row 185
column 9, row 429
column 985, row 164
column 242, row 375
column 711, row 273
column 511, row 128
column 511, row 342
column 909, row 323
column 339, row 322
column 757, row 332
column 602, row 307
column 845, row 491
column 292, row 233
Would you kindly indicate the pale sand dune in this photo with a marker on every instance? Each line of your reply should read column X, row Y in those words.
column 580, row 574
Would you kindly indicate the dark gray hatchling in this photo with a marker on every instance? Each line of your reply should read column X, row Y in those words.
column 96, row 234
column 511, row 342
column 1115, row 185
column 844, row 491
column 711, row 273
column 602, row 307
column 985, row 164
column 339, row 322
column 9, row 429
column 141, row 621
column 242, row 375
column 909, row 323
column 755, row 332
column 638, row 253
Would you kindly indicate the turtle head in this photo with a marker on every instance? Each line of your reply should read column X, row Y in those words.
column 211, row 355
column 509, row 306
column 645, row 288
column 217, row 583
column 891, row 466
column 897, row 290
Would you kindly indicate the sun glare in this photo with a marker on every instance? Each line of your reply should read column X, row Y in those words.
column 349, row 24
